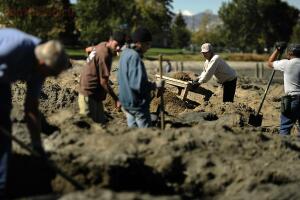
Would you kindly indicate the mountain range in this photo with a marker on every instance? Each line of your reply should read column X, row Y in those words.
column 193, row 21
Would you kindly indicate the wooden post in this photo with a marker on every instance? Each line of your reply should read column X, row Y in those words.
column 256, row 70
column 261, row 74
column 162, row 108
column 181, row 65
column 176, row 66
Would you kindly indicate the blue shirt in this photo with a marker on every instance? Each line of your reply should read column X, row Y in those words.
column 18, row 61
column 134, row 87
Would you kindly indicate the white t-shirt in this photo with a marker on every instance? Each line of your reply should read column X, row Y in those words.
column 291, row 74
column 218, row 68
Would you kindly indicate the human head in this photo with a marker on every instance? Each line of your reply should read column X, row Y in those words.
column 52, row 58
column 142, row 39
column 293, row 51
column 116, row 41
column 207, row 50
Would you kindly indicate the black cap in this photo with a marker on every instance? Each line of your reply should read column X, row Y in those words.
column 142, row 35
column 294, row 48
column 120, row 37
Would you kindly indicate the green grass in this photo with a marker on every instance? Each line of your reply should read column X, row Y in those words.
column 76, row 52
column 179, row 55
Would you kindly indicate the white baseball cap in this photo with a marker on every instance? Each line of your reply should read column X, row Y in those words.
column 206, row 47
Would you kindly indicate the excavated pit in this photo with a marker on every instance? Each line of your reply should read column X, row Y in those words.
column 207, row 151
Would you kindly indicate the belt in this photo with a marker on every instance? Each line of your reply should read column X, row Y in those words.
column 229, row 80
column 295, row 96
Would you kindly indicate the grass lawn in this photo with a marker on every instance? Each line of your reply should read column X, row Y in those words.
column 179, row 55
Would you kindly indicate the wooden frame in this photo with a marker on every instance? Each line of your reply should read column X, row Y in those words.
column 182, row 86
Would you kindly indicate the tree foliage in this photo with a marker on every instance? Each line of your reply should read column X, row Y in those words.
column 255, row 24
column 96, row 19
column 43, row 18
column 180, row 34
column 296, row 33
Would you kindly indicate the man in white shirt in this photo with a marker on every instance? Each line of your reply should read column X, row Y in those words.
column 222, row 72
column 291, row 101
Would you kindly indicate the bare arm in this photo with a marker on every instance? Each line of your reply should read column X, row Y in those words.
column 272, row 58
column 105, row 84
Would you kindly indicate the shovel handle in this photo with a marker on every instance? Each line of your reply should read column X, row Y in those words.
column 268, row 86
column 50, row 163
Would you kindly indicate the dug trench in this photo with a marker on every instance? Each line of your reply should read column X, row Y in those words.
column 207, row 150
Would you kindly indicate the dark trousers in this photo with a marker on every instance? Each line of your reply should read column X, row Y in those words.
column 287, row 121
column 5, row 142
column 229, row 90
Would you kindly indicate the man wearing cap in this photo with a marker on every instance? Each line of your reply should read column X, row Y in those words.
column 94, row 78
column 23, row 57
column 290, row 112
column 134, row 86
column 222, row 72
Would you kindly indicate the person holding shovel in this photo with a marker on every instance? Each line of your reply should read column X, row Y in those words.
column 24, row 57
column 94, row 78
column 222, row 72
column 134, row 86
column 290, row 105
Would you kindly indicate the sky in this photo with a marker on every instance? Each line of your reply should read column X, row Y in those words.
column 190, row 7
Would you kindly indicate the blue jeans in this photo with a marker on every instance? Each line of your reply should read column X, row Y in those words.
column 287, row 121
column 140, row 119
column 5, row 142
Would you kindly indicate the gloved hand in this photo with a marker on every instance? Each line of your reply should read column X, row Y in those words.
column 195, row 83
column 160, row 83
column 280, row 46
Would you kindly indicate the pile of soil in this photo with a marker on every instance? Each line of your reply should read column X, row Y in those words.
column 207, row 152
column 173, row 104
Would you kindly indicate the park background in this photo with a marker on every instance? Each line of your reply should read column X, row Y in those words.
column 241, row 29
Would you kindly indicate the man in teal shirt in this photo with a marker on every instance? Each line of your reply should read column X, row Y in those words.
column 134, row 86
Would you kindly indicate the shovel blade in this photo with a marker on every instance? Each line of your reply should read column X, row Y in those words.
column 255, row 120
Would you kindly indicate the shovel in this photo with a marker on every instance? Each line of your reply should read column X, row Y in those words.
column 48, row 162
column 256, row 119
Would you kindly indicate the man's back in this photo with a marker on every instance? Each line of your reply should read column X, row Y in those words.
column 291, row 69
column 98, row 65
column 17, row 57
column 134, row 88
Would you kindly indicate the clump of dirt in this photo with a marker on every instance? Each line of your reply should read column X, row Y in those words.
column 173, row 104
column 54, row 97
column 181, row 76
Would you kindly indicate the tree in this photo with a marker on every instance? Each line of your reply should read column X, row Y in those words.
column 96, row 19
column 181, row 35
column 255, row 24
column 43, row 18
column 296, row 33
column 241, row 22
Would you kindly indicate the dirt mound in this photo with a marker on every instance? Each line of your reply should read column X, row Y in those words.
column 207, row 152
column 181, row 76
column 173, row 104
column 201, row 161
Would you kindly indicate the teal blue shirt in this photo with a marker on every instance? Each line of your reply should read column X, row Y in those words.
column 134, row 87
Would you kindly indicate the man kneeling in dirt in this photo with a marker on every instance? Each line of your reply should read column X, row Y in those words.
column 134, row 86
column 94, row 78
column 290, row 111
column 23, row 57
column 222, row 72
